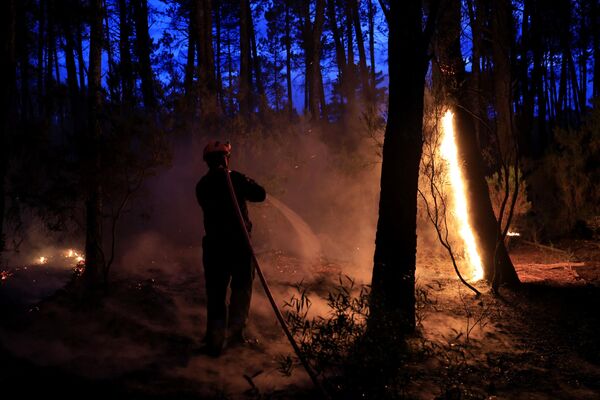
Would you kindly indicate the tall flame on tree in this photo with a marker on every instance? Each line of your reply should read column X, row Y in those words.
column 449, row 152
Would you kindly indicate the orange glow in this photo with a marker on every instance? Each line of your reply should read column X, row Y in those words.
column 449, row 153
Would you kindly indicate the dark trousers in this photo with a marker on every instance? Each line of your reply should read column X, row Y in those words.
column 225, row 266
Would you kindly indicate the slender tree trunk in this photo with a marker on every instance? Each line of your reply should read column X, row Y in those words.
column 94, row 259
column 340, row 53
column 125, row 65
column 143, row 48
column 221, row 100
column 260, row 88
column 245, row 77
column 188, row 80
column 40, row 57
column 22, row 46
column 350, row 74
column 288, row 59
column 476, row 29
column 371, row 17
column 74, row 98
column 312, row 48
column 498, row 267
column 8, row 92
column 362, row 55
column 80, row 60
column 206, row 62
column 537, row 80
column 595, row 11
column 393, row 283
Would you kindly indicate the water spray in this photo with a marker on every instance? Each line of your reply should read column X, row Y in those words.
column 311, row 373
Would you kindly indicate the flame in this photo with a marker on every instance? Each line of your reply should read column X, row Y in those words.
column 42, row 260
column 75, row 255
column 510, row 233
column 449, row 153
column 4, row 275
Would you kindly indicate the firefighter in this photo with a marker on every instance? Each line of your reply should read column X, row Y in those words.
column 226, row 257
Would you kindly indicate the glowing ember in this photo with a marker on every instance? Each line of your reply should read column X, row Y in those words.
column 513, row 233
column 42, row 260
column 449, row 152
column 74, row 255
column 4, row 275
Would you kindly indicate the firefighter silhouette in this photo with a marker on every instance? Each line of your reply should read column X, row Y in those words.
column 226, row 257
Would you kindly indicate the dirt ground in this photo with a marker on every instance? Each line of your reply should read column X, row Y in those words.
column 540, row 342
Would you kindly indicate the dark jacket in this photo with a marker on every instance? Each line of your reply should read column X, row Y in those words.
column 221, row 222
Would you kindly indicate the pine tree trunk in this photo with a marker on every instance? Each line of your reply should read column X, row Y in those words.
column 245, row 78
column 188, row 80
column 125, row 66
column 288, row 59
column 393, row 282
column 340, row 53
column 498, row 268
column 371, row 16
column 595, row 11
column 94, row 259
column 206, row 62
column 143, row 47
column 362, row 55
column 8, row 92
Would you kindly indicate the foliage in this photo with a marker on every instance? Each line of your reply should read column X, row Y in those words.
column 497, row 187
column 565, row 183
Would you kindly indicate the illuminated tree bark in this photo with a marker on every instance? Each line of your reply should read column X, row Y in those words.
column 450, row 70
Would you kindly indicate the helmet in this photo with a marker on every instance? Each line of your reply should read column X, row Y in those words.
column 216, row 146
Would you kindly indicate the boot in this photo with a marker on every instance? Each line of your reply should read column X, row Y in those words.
column 215, row 338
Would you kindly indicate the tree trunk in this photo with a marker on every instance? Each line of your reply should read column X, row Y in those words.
column 393, row 282
column 125, row 66
column 288, row 59
column 94, row 259
column 188, row 80
column 362, row 55
column 537, row 81
column 312, row 54
column 245, row 78
column 8, row 93
column 220, row 99
column 371, row 16
column 206, row 62
column 456, row 94
column 340, row 54
column 596, row 47
column 80, row 60
column 143, row 47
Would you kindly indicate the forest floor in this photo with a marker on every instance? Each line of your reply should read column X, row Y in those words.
column 540, row 342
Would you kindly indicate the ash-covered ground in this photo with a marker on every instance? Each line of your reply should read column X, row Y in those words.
column 143, row 341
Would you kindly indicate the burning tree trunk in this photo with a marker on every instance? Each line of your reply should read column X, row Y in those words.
column 498, row 268
column 94, row 269
column 393, row 282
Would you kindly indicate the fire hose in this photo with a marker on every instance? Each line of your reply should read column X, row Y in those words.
column 311, row 373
